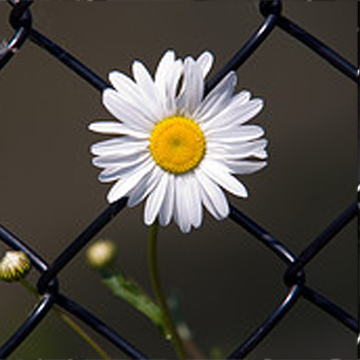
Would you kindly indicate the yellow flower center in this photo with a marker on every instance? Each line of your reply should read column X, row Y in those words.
column 177, row 144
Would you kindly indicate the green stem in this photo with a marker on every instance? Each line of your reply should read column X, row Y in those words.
column 70, row 322
column 156, row 284
column 81, row 332
column 28, row 287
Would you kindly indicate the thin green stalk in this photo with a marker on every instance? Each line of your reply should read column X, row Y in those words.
column 81, row 332
column 161, row 300
column 70, row 322
column 28, row 287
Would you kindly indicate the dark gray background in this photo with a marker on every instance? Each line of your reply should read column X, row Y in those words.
column 228, row 282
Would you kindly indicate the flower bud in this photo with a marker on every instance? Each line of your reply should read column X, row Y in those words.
column 14, row 266
column 101, row 254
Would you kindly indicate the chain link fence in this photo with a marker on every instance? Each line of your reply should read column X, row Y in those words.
column 295, row 284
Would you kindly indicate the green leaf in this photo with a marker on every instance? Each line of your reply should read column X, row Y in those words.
column 126, row 289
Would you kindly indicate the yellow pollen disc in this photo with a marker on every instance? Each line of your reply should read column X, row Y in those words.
column 177, row 144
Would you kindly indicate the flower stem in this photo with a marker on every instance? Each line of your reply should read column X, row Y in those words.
column 70, row 322
column 160, row 297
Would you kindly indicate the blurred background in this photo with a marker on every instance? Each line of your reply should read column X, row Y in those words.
column 227, row 282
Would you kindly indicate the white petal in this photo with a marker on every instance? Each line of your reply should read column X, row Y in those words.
column 129, row 91
column 219, row 151
column 110, row 143
column 167, row 208
column 218, row 99
column 245, row 167
column 118, row 171
column 235, row 134
column 165, row 64
column 194, row 201
column 119, row 160
column 172, row 85
column 148, row 89
column 254, row 148
column 212, row 196
column 155, row 199
column 220, row 175
column 249, row 110
column 240, row 110
column 205, row 61
column 167, row 77
column 123, row 186
column 125, row 111
column 206, row 200
column 114, row 173
column 193, row 88
column 119, row 146
column 124, row 84
column 241, row 98
column 186, row 204
column 112, row 127
column 144, row 187
column 126, row 87
column 181, row 214
column 189, row 202
column 107, row 127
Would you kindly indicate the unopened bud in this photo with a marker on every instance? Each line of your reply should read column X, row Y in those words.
column 14, row 266
column 101, row 254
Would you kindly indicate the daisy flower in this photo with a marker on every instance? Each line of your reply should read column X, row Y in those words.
column 174, row 148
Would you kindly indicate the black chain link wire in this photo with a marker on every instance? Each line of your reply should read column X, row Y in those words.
column 294, row 277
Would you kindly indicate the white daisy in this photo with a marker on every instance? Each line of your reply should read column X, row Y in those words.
column 173, row 148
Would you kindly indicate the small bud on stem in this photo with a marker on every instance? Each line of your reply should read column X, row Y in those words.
column 14, row 266
column 101, row 254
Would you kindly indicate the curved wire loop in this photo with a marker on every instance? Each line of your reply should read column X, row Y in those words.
column 99, row 327
column 249, row 47
column 28, row 326
column 42, row 307
column 20, row 19
column 321, row 241
column 264, row 329
column 78, row 244
column 332, row 57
